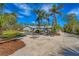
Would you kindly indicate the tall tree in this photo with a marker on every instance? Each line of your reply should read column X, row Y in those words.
column 8, row 21
column 1, row 16
column 47, row 18
column 71, row 19
column 40, row 16
column 2, row 8
column 55, row 10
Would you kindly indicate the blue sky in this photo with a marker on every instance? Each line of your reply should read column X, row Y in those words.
column 25, row 12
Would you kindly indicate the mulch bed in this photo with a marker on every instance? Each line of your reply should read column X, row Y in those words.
column 10, row 47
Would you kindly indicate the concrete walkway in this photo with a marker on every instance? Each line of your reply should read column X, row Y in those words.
column 40, row 45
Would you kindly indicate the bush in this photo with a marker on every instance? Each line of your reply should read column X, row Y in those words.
column 56, row 28
column 53, row 30
column 77, row 30
column 10, row 34
column 38, row 31
column 68, row 30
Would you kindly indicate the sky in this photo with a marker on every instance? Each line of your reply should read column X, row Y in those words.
column 26, row 15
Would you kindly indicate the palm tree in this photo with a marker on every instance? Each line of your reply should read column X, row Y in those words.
column 40, row 16
column 55, row 10
column 47, row 18
column 71, row 19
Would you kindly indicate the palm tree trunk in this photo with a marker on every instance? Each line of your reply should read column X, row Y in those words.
column 39, row 24
column 0, row 30
column 54, row 22
column 47, row 26
column 73, row 29
column 48, row 22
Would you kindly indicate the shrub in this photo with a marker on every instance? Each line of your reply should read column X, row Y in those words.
column 68, row 30
column 10, row 34
column 56, row 28
column 37, row 31
column 53, row 30
column 77, row 30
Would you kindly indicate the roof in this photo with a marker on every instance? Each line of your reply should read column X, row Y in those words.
column 35, row 27
column 41, row 26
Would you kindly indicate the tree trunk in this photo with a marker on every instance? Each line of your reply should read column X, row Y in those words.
column 0, row 30
column 48, row 26
column 73, row 29
column 54, row 22
column 39, row 24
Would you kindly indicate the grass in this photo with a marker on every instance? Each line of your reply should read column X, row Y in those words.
column 8, row 34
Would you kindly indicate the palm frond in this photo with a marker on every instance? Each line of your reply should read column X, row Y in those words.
column 60, row 7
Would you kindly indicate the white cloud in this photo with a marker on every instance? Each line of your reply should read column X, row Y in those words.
column 19, row 16
column 75, row 11
column 46, row 7
column 7, row 11
column 27, row 13
column 26, row 10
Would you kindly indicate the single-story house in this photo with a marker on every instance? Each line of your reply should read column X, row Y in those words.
column 30, row 28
